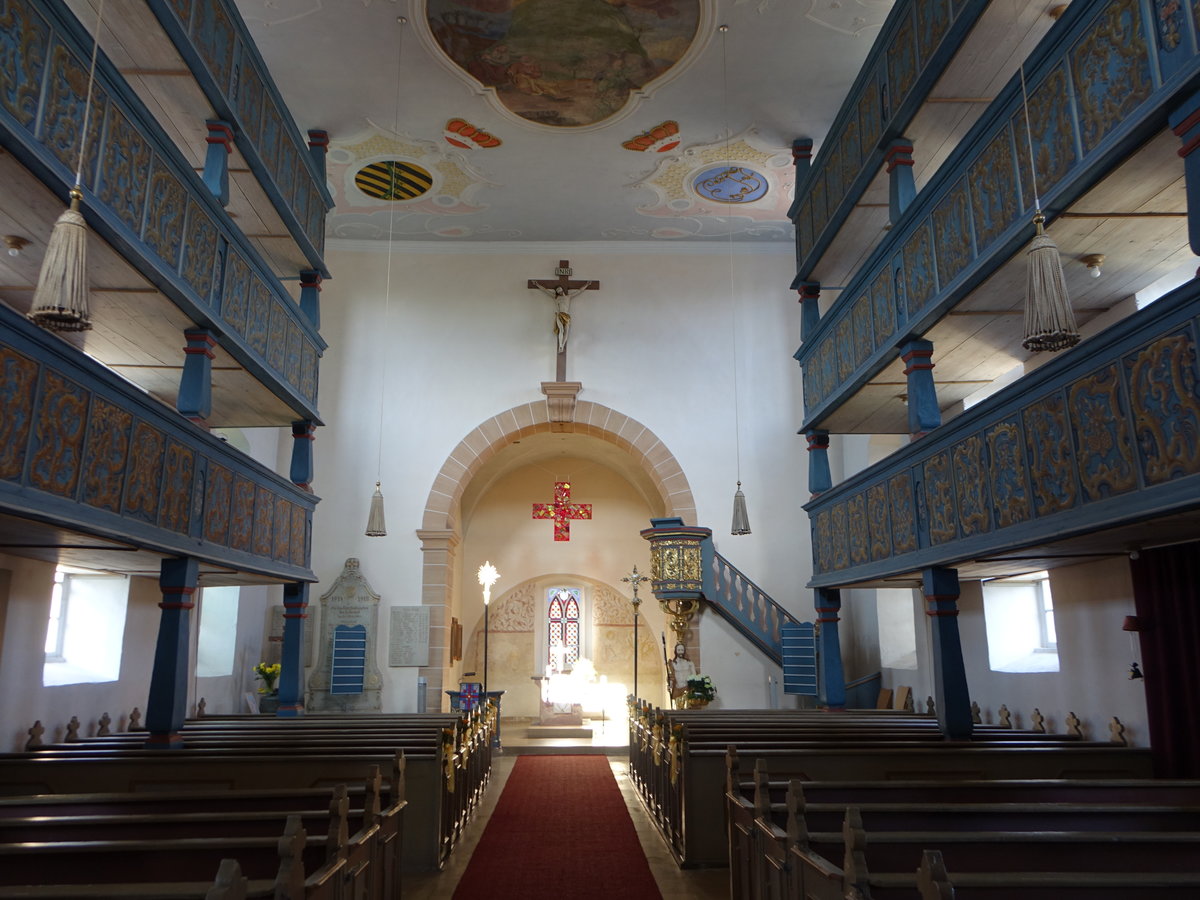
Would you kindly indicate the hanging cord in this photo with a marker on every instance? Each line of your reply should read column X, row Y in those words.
column 737, row 428
column 387, row 295
column 87, row 107
column 1037, row 200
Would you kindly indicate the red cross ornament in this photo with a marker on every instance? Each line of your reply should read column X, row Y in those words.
column 562, row 510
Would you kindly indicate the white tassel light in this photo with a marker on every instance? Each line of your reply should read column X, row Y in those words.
column 375, row 523
column 741, row 520
column 1049, row 319
column 60, row 302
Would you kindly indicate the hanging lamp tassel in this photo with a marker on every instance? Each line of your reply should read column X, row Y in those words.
column 1049, row 319
column 60, row 302
column 741, row 520
column 375, row 524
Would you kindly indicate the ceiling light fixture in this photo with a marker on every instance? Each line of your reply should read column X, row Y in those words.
column 741, row 519
column 1094, row 262
column 376, row 526
column 15, row 244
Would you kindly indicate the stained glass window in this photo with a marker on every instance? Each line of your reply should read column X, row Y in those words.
column 562, row 628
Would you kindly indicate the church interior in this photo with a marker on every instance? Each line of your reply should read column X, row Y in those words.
column 389, row 371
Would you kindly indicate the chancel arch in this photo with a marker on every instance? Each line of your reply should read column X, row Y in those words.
column 481, row 508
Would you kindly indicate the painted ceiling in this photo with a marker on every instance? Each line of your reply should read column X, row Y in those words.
column 563, row 120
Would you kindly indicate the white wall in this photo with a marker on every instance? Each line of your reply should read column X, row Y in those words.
column 463, row 339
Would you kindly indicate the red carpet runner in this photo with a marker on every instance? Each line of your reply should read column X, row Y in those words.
column 560, row 830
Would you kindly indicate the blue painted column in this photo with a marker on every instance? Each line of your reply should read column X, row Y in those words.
column 291, row 673
column 902, row 190
column 1185, row 121
column 216, row 160
column 310, row 296
column 831, row 681
column 195, row 385
column 303, row 438
column 923, row 412
column 819, row 479
column 949, row 674
column 802, row 162
column 318, row 149
column 166, row 707
column 810, row 308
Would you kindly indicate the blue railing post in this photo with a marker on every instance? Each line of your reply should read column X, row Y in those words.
column 949, row 673
column 166, row 705
column 831, row 691
column 291, row 674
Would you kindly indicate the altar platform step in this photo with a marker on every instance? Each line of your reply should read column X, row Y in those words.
column 559, row 731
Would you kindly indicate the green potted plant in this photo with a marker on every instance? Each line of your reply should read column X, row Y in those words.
column 700, row 692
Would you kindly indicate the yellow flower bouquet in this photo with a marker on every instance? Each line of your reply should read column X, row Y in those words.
column 268, row 672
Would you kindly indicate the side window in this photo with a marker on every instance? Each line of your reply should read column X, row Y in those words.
column 85, row 629
column 1019, row 617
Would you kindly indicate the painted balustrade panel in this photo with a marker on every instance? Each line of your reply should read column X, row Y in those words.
column 1107, row 435
column 916, row 43
column 214, row 41
column 1100, row 83
column 84, row 449
column 143, row 197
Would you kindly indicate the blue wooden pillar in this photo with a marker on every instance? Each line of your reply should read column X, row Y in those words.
column 166, row 707
column 216, row 160
column 318, row 149
column 949, row 674
column 802, row 162
column 291, row 674
column 310, row 296
column 819, row 479
column 831, row 682
column 195, row 385
column 1185, row 121
column 923, row 412
column 902, row 190
column 303, row 438
column 810, row 308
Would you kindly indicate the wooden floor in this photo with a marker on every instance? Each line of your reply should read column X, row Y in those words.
column 675, row 884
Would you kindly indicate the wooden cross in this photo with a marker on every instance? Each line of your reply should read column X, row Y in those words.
column 562, row 291
column 562, row 510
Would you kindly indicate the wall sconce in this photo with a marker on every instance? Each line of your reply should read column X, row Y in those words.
column 15, row 244
column 1093, row 261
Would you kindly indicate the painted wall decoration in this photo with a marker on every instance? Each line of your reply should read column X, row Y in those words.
column 462, row 134
column 441, row 210
column 563, row 63
column 662, row 138
column 705, row 181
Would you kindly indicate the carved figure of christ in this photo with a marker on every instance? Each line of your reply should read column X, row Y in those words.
column 562, row 291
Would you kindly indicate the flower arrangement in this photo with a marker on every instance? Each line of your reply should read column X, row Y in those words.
column 268, row 672
column 700, row 687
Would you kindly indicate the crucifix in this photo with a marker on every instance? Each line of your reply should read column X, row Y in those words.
column 562, row 510
column 562, row 291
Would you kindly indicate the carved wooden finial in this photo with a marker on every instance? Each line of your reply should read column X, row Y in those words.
column 289, row 878
column 1004, row 716
column 1117, row 730
column 976, row 713
column 908, row 702
column 230, row 884
column 731, row 769
column 1074, row 726
column 72, row 735
column 201, row 706
column 762, row 790
column 103, row 730
column 797, row 826
column 135, row 720
column 372, row 805
column 35, row 735
column 854, row 837
column 338, row 838
column 932, row 881
column 1039, row 721
column 930, row 708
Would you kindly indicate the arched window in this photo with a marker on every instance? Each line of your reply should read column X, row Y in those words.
column 562, row 628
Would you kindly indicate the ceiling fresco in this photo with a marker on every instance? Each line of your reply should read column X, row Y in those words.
column 564, row 63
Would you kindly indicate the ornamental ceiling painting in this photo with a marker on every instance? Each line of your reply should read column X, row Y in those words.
column 564, row 63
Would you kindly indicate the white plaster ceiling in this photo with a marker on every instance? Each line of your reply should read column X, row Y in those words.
column 787, row 66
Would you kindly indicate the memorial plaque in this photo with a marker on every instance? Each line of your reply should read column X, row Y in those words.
column 408, row 636
column 351, row 605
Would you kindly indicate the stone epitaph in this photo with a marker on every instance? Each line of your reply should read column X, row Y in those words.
column 350, row 602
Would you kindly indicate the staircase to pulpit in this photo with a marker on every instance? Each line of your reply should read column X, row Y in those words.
column 686, row 569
